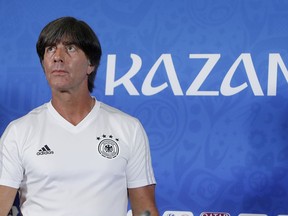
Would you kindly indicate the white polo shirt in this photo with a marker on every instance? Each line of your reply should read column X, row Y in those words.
column 67, row 170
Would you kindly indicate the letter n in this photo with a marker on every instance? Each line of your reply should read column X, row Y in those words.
column 275, row 60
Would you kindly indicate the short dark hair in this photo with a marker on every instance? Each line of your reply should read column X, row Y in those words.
column 77, row 32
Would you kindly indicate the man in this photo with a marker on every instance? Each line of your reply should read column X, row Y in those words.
column 75, row 155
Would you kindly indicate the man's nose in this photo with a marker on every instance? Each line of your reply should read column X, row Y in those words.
column 59, row 55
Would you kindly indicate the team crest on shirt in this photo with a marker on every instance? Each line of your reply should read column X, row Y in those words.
column 108, row 146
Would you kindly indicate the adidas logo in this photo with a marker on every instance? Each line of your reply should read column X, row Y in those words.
column 44, row 151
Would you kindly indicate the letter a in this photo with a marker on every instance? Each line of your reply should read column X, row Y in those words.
column 226, row 88
column 148, row 89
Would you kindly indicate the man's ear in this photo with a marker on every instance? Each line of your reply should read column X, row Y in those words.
column 92, row 67
column 42, row 65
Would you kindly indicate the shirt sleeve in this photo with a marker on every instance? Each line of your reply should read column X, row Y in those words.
column 11, row 171
column 139, row 171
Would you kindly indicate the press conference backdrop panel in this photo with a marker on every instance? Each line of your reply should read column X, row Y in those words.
column 208, row 80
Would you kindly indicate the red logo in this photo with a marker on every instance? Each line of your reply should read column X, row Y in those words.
column 214, row 214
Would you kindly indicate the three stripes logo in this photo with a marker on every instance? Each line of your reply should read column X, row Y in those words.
column 44, row 151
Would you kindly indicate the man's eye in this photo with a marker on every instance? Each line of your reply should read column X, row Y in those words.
column 50, row 49
column 71, row 48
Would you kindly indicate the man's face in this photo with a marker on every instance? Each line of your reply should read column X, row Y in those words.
column 66, row 67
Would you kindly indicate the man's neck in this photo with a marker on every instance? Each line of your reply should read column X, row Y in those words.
column 74, row 108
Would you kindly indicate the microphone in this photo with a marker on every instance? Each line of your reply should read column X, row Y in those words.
column 145, row 213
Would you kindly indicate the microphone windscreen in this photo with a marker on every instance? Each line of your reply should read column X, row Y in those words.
column 145, row 213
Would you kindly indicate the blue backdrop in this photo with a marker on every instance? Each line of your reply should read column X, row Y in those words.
column 208, row 80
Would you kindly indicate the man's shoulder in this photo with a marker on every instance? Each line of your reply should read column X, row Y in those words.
column 117, row 113
column 30, row 116
column 27, row 122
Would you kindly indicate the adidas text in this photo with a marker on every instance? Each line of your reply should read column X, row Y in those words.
column 45, row 153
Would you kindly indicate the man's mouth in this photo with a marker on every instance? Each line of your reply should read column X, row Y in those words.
column 59, row 72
